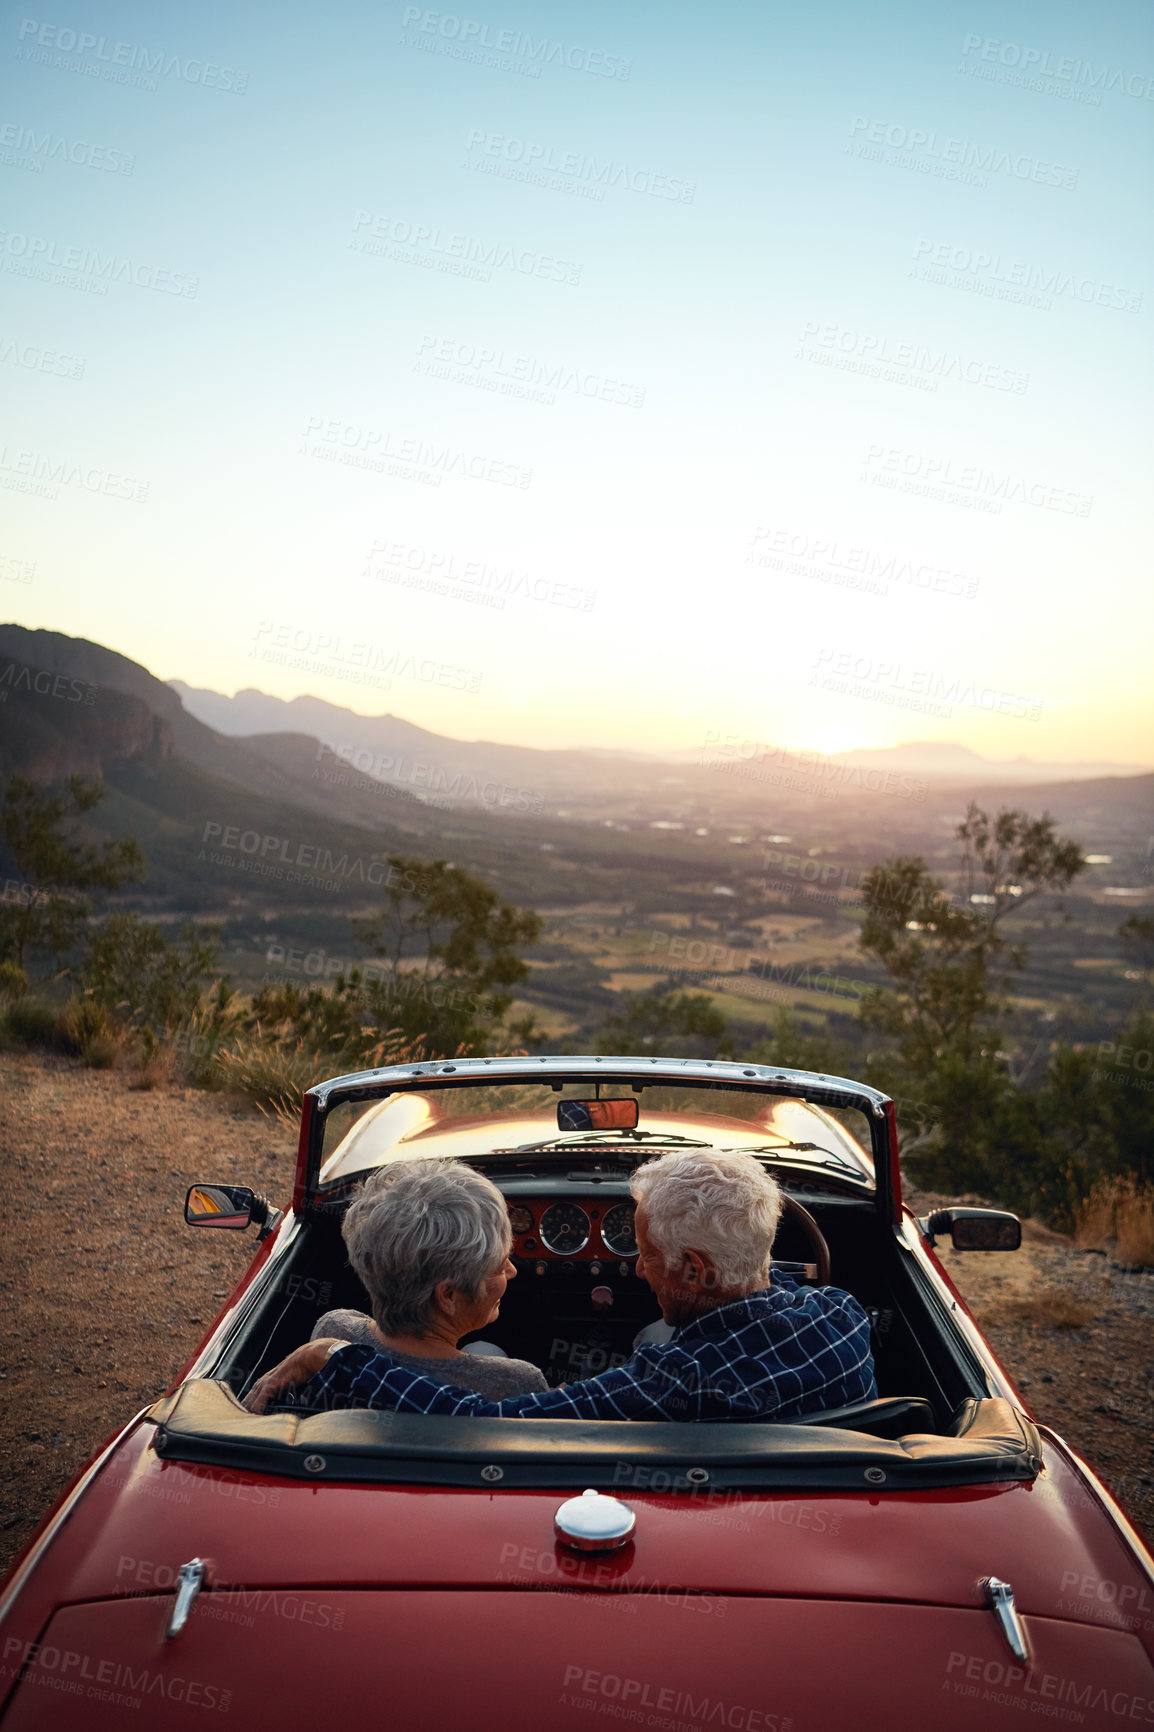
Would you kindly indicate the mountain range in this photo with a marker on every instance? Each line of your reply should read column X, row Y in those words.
column 186, row 768
column 393, row 743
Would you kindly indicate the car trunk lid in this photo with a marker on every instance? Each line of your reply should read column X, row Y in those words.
column 486, row 1658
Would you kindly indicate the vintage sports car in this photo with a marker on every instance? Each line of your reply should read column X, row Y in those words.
column 929, row 1558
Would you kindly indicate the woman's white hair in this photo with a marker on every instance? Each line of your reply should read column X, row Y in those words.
column 724, row 1204
column 420, row 1221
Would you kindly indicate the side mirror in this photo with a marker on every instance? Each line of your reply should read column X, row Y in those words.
column 975, row 1229
column 219, row 1206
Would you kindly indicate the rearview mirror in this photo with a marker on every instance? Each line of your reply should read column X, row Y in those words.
column 219, row 1206
column 975, row 1229
column 597, row 1115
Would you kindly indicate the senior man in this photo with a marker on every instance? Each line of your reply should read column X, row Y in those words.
column 748, row 1341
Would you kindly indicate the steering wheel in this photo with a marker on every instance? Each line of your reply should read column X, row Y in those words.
column 801, row 1217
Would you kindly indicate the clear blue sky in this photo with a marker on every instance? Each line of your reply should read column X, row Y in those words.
column 561, row 374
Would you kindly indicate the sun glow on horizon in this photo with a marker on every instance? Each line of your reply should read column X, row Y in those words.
column 832, row 742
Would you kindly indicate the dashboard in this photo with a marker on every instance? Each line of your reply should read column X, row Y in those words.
column 573, row 1228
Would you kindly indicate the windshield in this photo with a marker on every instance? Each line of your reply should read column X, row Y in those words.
column 519, row 1121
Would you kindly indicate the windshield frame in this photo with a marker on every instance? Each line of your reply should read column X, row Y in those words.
column 715, row 1075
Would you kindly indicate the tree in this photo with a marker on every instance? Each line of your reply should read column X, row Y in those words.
column 942, row 1007
column 1006, row 863
column 58, row 868
column 1136, row 938
column 450, row 949
column 131, row 967
column 792, row 1047
column 676, row 1025
column 939, row 953
column 936, row 955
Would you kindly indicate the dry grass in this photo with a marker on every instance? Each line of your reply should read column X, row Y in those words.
column 1118, row 1216
column 90, row 1031
column 275, row 1072
column 157, row 1068
column 1054, row 1308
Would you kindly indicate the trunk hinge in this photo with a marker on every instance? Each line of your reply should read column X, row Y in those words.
column 191, row 1578
column 1001, row 1598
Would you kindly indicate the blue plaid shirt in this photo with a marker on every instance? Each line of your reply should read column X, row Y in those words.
column 785, row 1351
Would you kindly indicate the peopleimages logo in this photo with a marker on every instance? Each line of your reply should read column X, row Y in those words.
column 398, row 238
column 457, row 785
column 916, row 688
column 74, row 1673
column 274, row 857
column 939, row 476
column 537, row 158
column 327, row 652
column 19, row 678
column 492, row 368
column 33, row 472
column 449, row 568
column 42, row 146
column 31, row 255
column 930, row 153
column 471, row 34
column 38, row 360
column 118, row 62
column 853, row 566
column 1040, row 63
column 1011, row 277
column 815, row 769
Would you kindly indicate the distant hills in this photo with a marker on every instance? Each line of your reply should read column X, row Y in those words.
column 393, row 750
column 398, row 742
column 947, row 763
column 944, row 761
column 184, row 767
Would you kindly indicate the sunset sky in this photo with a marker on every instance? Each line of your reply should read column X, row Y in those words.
column 602, row 375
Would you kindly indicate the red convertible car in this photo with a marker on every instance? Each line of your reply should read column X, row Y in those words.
column 931, row 1557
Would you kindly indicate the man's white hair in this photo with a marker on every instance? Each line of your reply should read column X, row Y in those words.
column 724, row 1204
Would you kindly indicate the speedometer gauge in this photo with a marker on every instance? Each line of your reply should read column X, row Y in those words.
column 617, row 1231
column 564, row 1229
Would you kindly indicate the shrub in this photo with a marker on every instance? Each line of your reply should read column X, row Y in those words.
column 212, row 1027
column 156, row 1062
column 133, row 968
column 1118, row 1215
column 90, row 1031
column 101, row 1051
column 30, row 1022
column 275, row 1071
column 13, row 980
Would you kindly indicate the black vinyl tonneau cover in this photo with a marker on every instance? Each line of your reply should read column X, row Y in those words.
column 990, row 1440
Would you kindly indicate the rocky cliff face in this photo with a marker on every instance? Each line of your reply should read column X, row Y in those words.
column 54, row 725
column 53, row 652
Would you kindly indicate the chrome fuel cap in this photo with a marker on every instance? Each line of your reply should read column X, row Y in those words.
column 594, row 1522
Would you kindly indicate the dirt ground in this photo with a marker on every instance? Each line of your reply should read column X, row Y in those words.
column 108, row 1292
column 1076, row 1335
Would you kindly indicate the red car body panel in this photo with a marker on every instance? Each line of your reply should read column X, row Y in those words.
column 284, row 1531
column 140, row 1518
column 443, row 1660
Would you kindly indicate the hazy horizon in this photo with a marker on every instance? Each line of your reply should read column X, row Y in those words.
column 616, row 378
column 668, row 753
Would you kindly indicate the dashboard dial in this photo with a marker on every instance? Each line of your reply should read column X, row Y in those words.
column 617, row 1231
column 564, row 1229
column 520, row 1218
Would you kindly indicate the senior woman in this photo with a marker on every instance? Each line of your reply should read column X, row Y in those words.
column 430, row 1240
